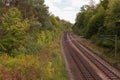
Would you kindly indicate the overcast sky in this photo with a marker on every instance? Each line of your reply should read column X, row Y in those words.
column 66, row 9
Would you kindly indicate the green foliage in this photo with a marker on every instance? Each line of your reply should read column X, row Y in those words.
column 95, row 23
column 47, row 65
column 35, row 26
column 40, row 11
column 14, row 29
column 30, row 36
column 104, row 3
column 79, row 22
column 36, row 9
column 82, row 20
column 108, row 44
column 54, row 20
column 103, row 19
column 112, row 17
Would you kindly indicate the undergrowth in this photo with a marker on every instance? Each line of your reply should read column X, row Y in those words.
column 46, row 65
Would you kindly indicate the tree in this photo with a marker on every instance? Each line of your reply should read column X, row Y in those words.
column 40, row 11
column 96, row 22
column 104, row 3
column 113, row 16
column 82, row 20
column 36, row 9
column 14, row 28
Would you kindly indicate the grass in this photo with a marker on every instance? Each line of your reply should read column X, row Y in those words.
column 59, row 68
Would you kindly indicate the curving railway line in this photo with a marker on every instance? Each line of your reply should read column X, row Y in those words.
column 82, row 64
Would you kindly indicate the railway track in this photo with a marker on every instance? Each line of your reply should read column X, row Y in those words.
column 86, row 65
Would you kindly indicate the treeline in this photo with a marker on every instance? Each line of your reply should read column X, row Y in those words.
column 30, row 41
column 102, row 19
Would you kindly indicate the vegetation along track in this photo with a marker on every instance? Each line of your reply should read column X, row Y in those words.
column 85, row 65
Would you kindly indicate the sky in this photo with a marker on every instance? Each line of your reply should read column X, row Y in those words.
column 66, row 9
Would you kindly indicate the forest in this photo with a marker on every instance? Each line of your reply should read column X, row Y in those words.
column 101, row 24
column 30, row 41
